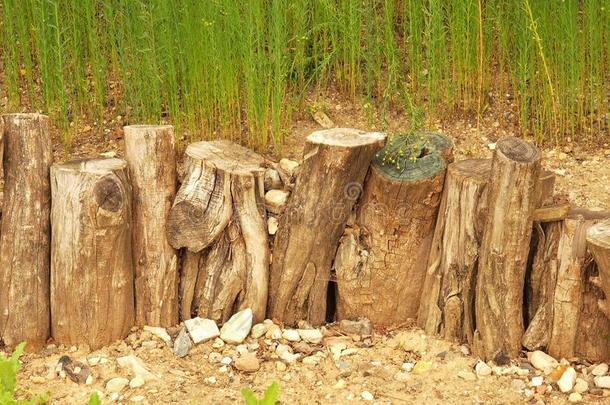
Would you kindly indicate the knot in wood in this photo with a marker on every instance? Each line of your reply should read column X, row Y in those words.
column 108, row 194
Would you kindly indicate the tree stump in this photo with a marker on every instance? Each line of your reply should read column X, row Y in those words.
column 598, row 241
column 151, row 158
column 25, row 233
column 447, row 303
column 328, row 185
column 92, row 298
column 219, row 212
column 380, row 264
column 512, row 197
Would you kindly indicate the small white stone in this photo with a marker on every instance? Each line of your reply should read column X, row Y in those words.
column 137, row 398
column 226, row 361
column 93, row 361
column 116, row 384
column 581, row 386
column 272, row 225
column 89, row 380
column 348, row 352
column 541, row 360
column 407, row 366
column 159, row 332
column 537, row 381
column 281, row 349
column 602, row 382
column 311, row 360
column 567, row 380
column 136, row 382
column 201, row 330
column 289, row 166
column 137, row 367
column 311, row 335
column 367, row 396
column 600, row 370
column 291, row 335
column 575, row 397
column 289, row 358
column 258, row 330
column 214, row 357
column 114, row 396
column 280, row 366
column 237, row 328
column 272, row 179
column 482, row 369
column 210, row 380
column 275, row 200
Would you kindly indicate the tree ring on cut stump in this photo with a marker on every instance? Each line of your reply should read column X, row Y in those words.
column 517, row 150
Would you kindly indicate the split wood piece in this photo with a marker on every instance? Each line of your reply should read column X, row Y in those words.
column 381, row 261
column 550, row 213
column 92, row 298
column 327, row 187
column 151, row 158
column 512, row 198
column 598, row 241
column 219, row 216
column 25, row 234
column 447, row 303
column 546, row 190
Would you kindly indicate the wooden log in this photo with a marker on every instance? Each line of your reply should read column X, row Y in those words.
column 381, row 261
column 219, row 212
column 92, row 298
column 546, row 189
column 151, row 158
column 447, row 303
column 328, row 184
column 25, row 233
column 512, row 198
column 598, row 241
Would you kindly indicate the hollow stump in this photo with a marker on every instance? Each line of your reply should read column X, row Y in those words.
column 92, row 298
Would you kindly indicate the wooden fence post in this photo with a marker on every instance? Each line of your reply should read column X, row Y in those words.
column 151, row 158
column 25, row 233
column 92, row 299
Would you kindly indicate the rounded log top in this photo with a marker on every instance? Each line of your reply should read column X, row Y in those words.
column 474, row 168
column 347, row 137
column 599, row 234
column 25, row 116
column 518, row 150
column 227, row 156
column 145, row 127
column 97, row 165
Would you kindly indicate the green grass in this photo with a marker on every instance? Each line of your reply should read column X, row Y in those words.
column 240, row 69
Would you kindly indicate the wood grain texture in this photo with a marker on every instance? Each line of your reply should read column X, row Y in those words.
column 328, row 185
column 92, row 297
column 151, row 159
column 598, row 242
column 512, row 197
column 25, row 232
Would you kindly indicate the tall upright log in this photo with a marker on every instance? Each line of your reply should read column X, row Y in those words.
column 151, row 158
column 598, row 241
column 25, row 233
column 512, row 197
column 447, row 303
column 219, row 216
column 380, row 264
column 92, row 298
column 335, row 162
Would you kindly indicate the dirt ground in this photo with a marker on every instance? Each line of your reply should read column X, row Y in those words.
column 583, row 178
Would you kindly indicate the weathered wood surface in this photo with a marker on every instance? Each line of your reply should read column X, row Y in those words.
column 598, row 241
column 92, row 275
column 512, row 197
column 447, row 302
column 151, row 158
column 25, row 231
column 329, row 182
column 380, row 264
column 219, row 216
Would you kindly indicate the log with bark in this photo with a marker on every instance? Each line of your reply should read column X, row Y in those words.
column 219, row 217
column 512, row 197
column 598, row 241
column 329, row 182
column 380, row 264
column 92, row 298
column 25, row 233
column 447, row 303
column 150, row 156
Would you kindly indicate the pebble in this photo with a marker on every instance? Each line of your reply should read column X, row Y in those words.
column 289, row 357
column 148, row 345
column 89, row 380
column 218, row 343
column 289, row 166
column 291, row 335
column 237, row 328
column 272, row 179
column 275, row 200
column 280, row 366
column 159, row 332
column 407, row 366
column 201, row 330
column 567, row 380
column 214, row 357
column 281, row 349
column 311, row 335
column 600, row 370
column 517, row 384
column 340, row 384
column 537, row 381
column 116, row 384
column 541, row 360
column 581, row 386
column 38, row 379
column 210, row 380
column 182, row 344
column 311, row 360
column 467, row 375
column 273, row 332
column 482, row 369
column 258, row 330
column 367, row 396
column 137, row 398
column 362, row 327
column 602, row 382
column 226, row 361
column 137, row 367
column 93, row 361
column 272, row 225
column 136, row 382
column 575, row 397
column 248, row 363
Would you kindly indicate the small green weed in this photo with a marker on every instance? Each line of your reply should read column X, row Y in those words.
column 269, row 397
column 8, row 380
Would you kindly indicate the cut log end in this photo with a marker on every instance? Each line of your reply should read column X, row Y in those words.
column 346, row 137
column 226, row 156
column 518, row 150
